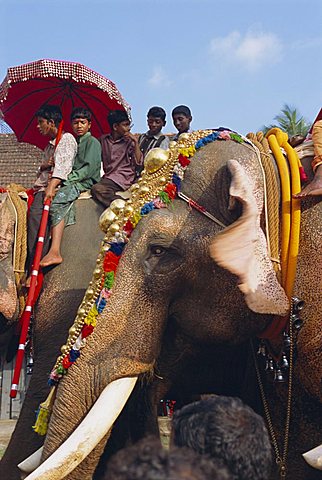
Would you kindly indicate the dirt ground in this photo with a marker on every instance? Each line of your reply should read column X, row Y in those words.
column 7, row 426
column 6, row 429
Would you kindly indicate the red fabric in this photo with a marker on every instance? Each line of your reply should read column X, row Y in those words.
column 27, row 87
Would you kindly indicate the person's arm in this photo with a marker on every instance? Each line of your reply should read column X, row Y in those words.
column 91, row 163
column 137, row 152
column 51, row 188
column 64, row 156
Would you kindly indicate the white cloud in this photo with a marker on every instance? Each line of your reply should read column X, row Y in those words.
column 159, row 78
column 252, row 50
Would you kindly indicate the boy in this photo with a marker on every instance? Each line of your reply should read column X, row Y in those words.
column 57, row 164
column 182, row 118
column 154, row 137
column 314, row 188
column 121, row 155
column 85, row 172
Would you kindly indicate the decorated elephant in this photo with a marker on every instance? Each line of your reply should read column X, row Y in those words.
column 193, row 275
column 64, row 287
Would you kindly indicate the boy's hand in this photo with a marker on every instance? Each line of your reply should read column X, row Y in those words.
column 52, row 188
column 47, row 164
column 132, row 136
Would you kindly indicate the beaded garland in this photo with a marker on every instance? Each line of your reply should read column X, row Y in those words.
column 156, row 188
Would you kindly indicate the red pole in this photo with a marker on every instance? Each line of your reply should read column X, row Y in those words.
column 25, row 318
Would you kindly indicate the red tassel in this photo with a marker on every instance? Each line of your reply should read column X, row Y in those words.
column 87, row 330
column 303, row 175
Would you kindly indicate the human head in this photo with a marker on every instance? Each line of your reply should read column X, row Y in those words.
column 149, row 460
column 51, row 113
column 119, row 122
column 156, row 120
column 49, row 118
column 228, row 430
column 81, row 120
column 181, row 116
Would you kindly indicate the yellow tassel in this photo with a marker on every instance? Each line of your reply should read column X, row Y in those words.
column 44, row 413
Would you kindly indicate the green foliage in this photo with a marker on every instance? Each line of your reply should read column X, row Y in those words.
column 290, row 121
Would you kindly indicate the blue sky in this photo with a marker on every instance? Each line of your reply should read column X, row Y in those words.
column 234, row 62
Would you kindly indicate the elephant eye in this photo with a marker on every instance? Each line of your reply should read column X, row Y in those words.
column 157, row 251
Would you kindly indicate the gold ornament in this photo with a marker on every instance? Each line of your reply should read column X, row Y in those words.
column 64, row 349
column 162, row 181
column 184, row 136
column 114, row 228
column 117, row 205
column 128, row 209
column 107, row 217
column 172, row 144
column 144, row 190
column 72, row 330
column 155, row 159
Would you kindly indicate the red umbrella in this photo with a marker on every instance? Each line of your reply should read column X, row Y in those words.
column 67, row 84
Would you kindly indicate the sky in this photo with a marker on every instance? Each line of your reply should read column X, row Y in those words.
column 235, row 63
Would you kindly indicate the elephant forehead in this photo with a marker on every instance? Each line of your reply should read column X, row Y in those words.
column 167, row 221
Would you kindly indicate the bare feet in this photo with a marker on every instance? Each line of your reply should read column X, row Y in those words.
column 51, row 259
column 314, row 188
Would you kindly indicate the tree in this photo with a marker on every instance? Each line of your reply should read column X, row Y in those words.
column 290, row 121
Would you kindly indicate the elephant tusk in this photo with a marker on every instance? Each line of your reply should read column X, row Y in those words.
column 89, row 432
column 31, row 463
column 314, row 457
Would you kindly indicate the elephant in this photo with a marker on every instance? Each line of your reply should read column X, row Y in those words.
column 178, row 304
column 63, row 289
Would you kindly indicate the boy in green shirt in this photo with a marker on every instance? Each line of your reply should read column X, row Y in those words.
column 85, row 173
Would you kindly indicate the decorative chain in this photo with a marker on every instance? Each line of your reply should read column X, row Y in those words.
column 280, row 458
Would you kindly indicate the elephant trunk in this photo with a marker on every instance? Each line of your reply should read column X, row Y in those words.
column 89, row 433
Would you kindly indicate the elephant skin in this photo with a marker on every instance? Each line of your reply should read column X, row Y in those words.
column 64, row 287
column 172, row 303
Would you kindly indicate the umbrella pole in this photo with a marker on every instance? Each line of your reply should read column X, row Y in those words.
column 31, row 298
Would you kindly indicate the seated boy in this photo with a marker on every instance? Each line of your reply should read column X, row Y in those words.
column 85, row 172
column 57, row 164
column 314, row 188
column 121, row 155
column 154, row 137
column 181, row 117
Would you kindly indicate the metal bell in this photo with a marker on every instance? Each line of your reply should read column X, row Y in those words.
column 29, row 366
column 261, row 350
column 278, row 376
column 287, row 341
column 269, row 367
column 298, row 304
column 297, row 324
column 284, row 362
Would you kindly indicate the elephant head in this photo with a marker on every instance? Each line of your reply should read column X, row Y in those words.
column 204, row 277
column 9, row 308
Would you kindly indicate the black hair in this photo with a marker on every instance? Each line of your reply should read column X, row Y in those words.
column 50, row 112
column 157, row 112
column 81, row 112
column 148, row 460
column 117, row 116
column 182, row 109
column 226, row 429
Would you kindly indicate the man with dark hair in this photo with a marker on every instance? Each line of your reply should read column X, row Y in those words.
column 85, row 173
column 121, row 155
column 149, row 461
column 57, row 164
column 227, row 430
column 154, row 137
column 181, row 116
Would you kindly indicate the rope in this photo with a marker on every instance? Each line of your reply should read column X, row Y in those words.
column 20, row 240
column 272, row 197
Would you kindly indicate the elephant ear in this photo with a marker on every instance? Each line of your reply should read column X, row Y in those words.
column 242, row 248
